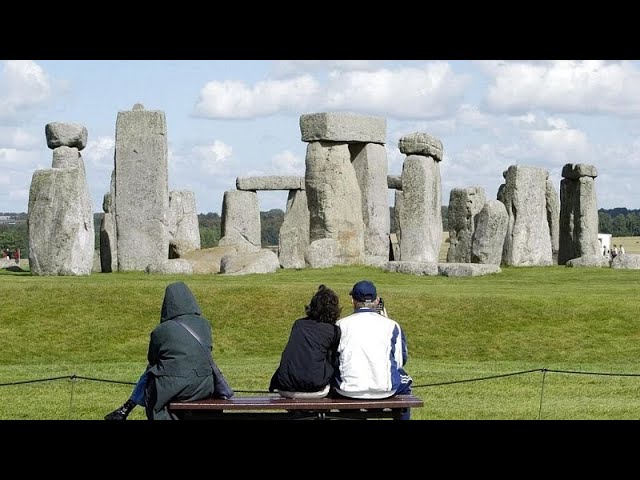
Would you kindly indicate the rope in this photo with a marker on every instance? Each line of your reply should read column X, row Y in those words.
column 477, row 379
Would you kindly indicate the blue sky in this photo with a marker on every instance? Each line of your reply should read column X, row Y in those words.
column 230, row 118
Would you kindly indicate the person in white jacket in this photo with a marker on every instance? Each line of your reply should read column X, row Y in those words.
column 372, row 350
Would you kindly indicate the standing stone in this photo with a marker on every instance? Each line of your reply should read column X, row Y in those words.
column 464, row 205
column 108, row 239
column 65, row 157
column 141, row 186
column 394, row 182
column 60, row 222
column 553, row 218
column 528, row 240
column 370, row 164
column 184, row 229
column 334, row 200
column 241, row 220
column 421, row 213
column 397, row 208
column 294, row 232
column 578, row 213
column 490, row 232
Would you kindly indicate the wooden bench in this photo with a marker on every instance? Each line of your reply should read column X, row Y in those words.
column 274, row 407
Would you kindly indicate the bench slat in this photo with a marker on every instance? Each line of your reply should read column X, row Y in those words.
column 276, row 402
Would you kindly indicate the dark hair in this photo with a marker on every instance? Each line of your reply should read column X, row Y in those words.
column 324, row 306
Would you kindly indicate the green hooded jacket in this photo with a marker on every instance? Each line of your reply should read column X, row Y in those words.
column 179, row 368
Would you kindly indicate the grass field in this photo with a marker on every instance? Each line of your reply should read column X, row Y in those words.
column 459, row 329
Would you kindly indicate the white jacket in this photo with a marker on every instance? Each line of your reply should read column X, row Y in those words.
column 371, row 354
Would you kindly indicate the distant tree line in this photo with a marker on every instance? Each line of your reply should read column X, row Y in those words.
column 619, row 222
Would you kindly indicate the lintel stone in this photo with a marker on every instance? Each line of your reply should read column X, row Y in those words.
column 343, row 127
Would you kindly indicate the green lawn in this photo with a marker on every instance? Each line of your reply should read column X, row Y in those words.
column 522, row 319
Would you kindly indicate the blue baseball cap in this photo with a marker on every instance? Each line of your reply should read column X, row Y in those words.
column 364, row 291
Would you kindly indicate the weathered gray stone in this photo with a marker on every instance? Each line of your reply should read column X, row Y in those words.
column 142, row 191
column 421, row 143
column 588, row 261
column 421, row 213
column 553, row 219
column 467, row 269
column 243, row 263
column 108, row 240
column 397, row 208
column 343, row 127
column 207, row 260
column 270, row 183
column 578, row 217
column 184, row 229
column 574, row 171
column 394, row 182
column 528, row 240
column 170, row 267
column 334, row 200
column 370, row 164
column 60, row 223
column 238, row 241
column 294, row 231
column 626, row 260
column 322, row 253
column 490, row 233
column 66, row 157
column 66, row 135
column 413, row 268
column 394, row 252
column 96, row 264
column 241, row 216
column 464, row 206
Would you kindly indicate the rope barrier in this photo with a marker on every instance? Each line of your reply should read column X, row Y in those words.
column 436, row 384
column 477, row 379
column 73, row 378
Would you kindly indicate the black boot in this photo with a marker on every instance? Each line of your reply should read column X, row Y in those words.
column 121, row 413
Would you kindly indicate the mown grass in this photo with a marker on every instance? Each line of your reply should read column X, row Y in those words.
column 458, row 328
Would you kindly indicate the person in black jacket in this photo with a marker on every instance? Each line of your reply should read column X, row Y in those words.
column 308, row 360
column 180, row 366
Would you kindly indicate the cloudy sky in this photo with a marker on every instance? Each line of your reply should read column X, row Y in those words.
column 230, row 118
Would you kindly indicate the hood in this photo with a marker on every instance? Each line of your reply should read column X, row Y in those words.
column 178, row 300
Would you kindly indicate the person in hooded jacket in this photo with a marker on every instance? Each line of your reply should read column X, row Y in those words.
column 180, row 366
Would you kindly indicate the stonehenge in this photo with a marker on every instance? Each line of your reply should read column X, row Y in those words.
column 336, row 214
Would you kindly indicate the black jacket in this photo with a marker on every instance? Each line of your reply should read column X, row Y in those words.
column 308, row 360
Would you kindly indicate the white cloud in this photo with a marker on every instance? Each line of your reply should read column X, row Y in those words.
column 18, row 159
column 19, row 138
column 593, row 86
column 287, row 163
column 427, row 91
column 233, row 100
column 212, row 159
column 99, row 153
column 23, row 85
column 286, row 68
column 423, row 91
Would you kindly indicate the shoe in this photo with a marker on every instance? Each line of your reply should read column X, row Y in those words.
column 121, row 413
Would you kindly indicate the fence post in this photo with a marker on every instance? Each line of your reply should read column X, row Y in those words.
column 73, row 383
column 544, row 373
